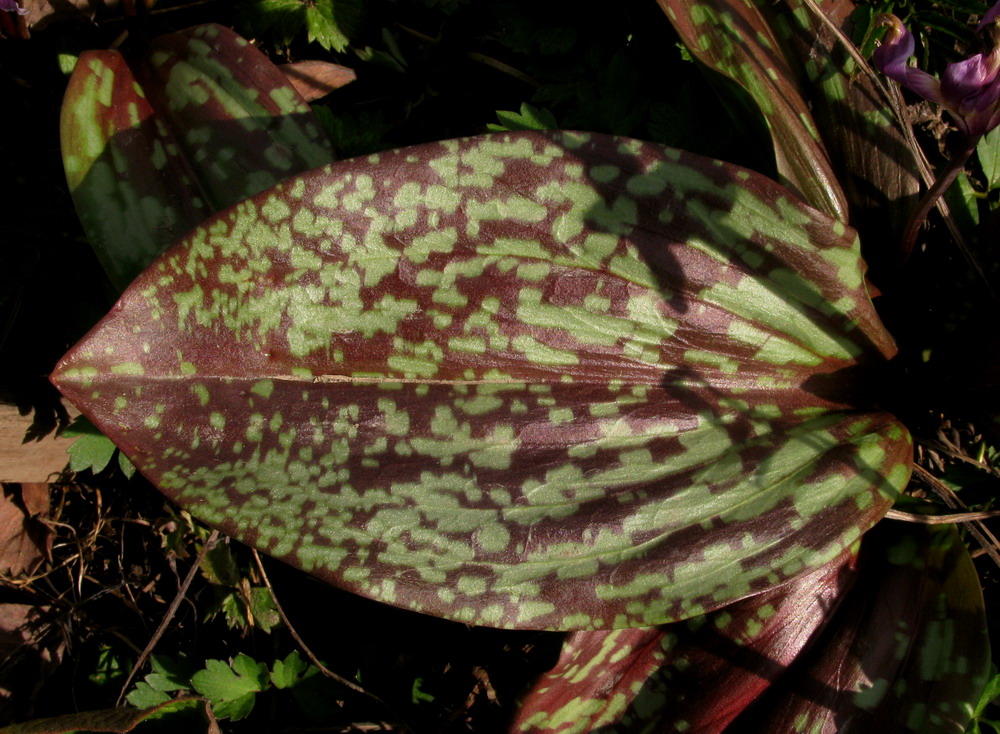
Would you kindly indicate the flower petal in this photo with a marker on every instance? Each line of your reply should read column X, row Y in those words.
column 991, row 15
column 895, row 50
column 963, row 83
column 11, row 6
column 891, row 59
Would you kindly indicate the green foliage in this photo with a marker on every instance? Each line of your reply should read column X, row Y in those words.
column 417, row 695
column 988, row 150
column 529, row 118
column 110, row 668
column 289, row 672
column 330, row 23
column 231, row 689
column 243, row 605
column 92, row 449
column 988, row 700
column 459, row 435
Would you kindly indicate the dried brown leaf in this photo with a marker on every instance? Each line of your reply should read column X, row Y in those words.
column 314, row 79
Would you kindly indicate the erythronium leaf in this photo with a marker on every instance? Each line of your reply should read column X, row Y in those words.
column 736, row 40
column 107, row 127
column 152, row 148
column 113, row 721
column 537, row 380
column 866, row 140
column 907, row 651
column 896, row 644
column 694, row 676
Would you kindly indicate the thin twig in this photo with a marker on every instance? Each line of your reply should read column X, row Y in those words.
column 955, row 453
column 213, row 538
column 305, row 648
column 979, row 531
column 950, row 518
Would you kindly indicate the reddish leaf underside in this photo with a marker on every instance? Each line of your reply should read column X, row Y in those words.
column 543, row 380
column 151, row 149
column 898, row 645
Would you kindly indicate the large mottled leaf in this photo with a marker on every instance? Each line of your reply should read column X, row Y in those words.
column 735, row 39
column 898, row 645
column 151, row 148
column 522, row 380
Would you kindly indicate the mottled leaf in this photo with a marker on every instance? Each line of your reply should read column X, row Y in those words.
column 107, row 125
column 113, row 721
column 201, row 122
column 523, row 380
column 907, row 651
column 236, row 116
column 897, row 645
column 736, row 40
column 868, row 145
column 694, row 677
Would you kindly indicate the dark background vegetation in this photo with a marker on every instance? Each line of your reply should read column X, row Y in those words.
column 427, row 70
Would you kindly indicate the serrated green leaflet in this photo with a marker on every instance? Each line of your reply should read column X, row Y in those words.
column 522, row 380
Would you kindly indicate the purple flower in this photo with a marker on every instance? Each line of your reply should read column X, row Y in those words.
column 969, row 89
column 11, row 6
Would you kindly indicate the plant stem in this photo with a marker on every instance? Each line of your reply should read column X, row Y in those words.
column 941, row 184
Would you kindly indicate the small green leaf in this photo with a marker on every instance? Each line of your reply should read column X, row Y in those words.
column 66, row 62
column 281, row 19
column 288, row 672
column 231, row 690
column 265, row 614
column 169, row 675
column 964, row 202
column 235, row 609
column 329, row 22
column 109, row 668
column 126, row 466
column 417, row 695
column 990, row 694
column 988, row 150
column 219, row 566
column 529, row 118
column 144, row 695
column 91, row 450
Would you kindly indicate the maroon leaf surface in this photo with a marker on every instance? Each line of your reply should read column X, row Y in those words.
column 893, row 641
column 543, row 380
